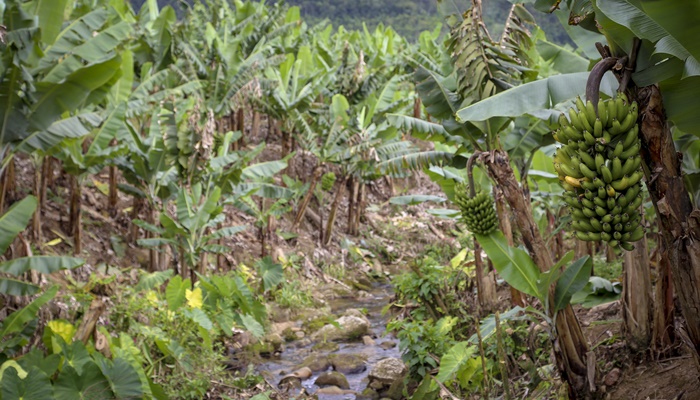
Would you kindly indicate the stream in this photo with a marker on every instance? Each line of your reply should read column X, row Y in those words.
column 289, row 359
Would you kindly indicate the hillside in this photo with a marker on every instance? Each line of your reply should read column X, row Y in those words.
column 407, row 17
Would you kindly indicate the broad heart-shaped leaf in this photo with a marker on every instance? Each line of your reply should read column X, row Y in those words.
column 412, row 200
column 513, row 264
column 572, row 280
column 200, row 318
column 36, row 385
column 149, row 281
column 534, row 97
column 270, row 272
column 428, row 389
column 455, row 360
column 15, row 322
column 35, row 358
column 252, row 325
column 15, row 221
column 42, row 264
column 122, row 377
column 175, row 292
column 75, row 354
column 91, row 384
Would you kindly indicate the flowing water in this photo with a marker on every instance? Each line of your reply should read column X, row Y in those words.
column 292, row 356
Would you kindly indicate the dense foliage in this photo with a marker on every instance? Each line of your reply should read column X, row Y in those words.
column 168, row 101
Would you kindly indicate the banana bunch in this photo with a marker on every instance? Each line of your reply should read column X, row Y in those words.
column 327, row 181
column 598, row 166
column 478, row 212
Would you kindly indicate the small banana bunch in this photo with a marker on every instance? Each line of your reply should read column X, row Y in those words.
column 598, row 166
column 478, row 212
column 327, row 181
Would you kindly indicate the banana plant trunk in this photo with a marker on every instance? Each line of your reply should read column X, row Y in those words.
column 112, row 199
column 36, row 219
column 241, row 124
column 334, row 210
column 664, row 333
column 153, row 254
column 575, row 361
column 516, row 298
column 318, row 171
column 46, row 179
column 351, row 203
column 680, row 225
column 76, row 223
column 7, row 184
column 636, row 297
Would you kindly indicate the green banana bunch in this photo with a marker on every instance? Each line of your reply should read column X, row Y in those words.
column 327, row 181
column 478, row 212
column 599, row 169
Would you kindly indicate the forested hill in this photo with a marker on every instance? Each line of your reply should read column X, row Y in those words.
column 408, row 17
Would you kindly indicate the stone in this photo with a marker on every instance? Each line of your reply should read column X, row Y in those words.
column 326, row 346
column 280, row 327
column 612, row 377
column 348, row 363
column 294, row 379
column 316, row 363
column 368, row 394
column 299, row 334
column 387, row 345
column 368, row 341
column 334, row 390
column 351, row 327
column 388, row 370
column 275, row 340
column 354, row 312
column 332, row 378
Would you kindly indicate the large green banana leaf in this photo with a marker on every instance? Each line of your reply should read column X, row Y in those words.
column 15, row 221
column 535, row 98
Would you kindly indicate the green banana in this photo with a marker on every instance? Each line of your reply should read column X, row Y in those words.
column 575, row 121
column 616, row 168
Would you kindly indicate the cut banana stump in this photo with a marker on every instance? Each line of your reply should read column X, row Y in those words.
column 478, row 212
column 599, row 169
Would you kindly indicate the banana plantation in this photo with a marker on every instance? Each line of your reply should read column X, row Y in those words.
column 219, row 200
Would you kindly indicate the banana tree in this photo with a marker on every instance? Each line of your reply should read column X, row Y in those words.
column 660, row 61
column 192, row 228
column 295, row 85
column 482, row 73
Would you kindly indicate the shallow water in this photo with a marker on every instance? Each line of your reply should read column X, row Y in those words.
column 379, row 297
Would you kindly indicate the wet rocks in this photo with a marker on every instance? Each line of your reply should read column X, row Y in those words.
column 332, row 378
column 294, row 379
column 387, row 345
column 349, row 327
column 348, row 363
column 386, row 377
column 334, row 390
column 316, row 363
